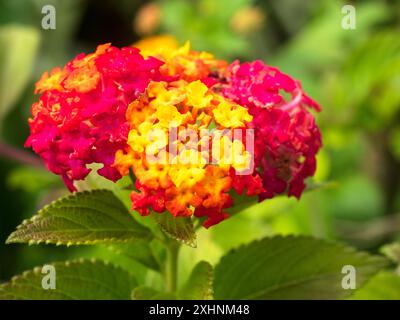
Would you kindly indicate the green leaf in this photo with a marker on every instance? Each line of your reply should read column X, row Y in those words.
column 146, row 293
column 383, row 286
column 121, row 189
column 360, row 108
column 392, row 251
column 294, row 267
column 32, row 179
column 312, row 185
column 312, row 50
column 200, row 283
column 178, row 228
column 18, row 47
column 139, row 251
column 87, row 217
column 74, row 280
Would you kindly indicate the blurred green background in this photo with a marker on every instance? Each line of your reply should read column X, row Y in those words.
column 353, row 74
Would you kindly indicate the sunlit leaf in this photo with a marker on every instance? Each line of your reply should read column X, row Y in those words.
column 383, row 286
column 294, row 267
column 200, row 283
column 140, row 251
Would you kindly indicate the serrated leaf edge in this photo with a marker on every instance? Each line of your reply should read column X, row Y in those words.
column 54, row 204
column 190, row 242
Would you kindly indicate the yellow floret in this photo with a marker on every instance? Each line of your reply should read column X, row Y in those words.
column 231, row 115
column 197, row 94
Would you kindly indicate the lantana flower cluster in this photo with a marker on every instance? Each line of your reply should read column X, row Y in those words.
column 120, row 108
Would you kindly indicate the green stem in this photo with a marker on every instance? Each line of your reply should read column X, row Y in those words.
column 171, row 270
